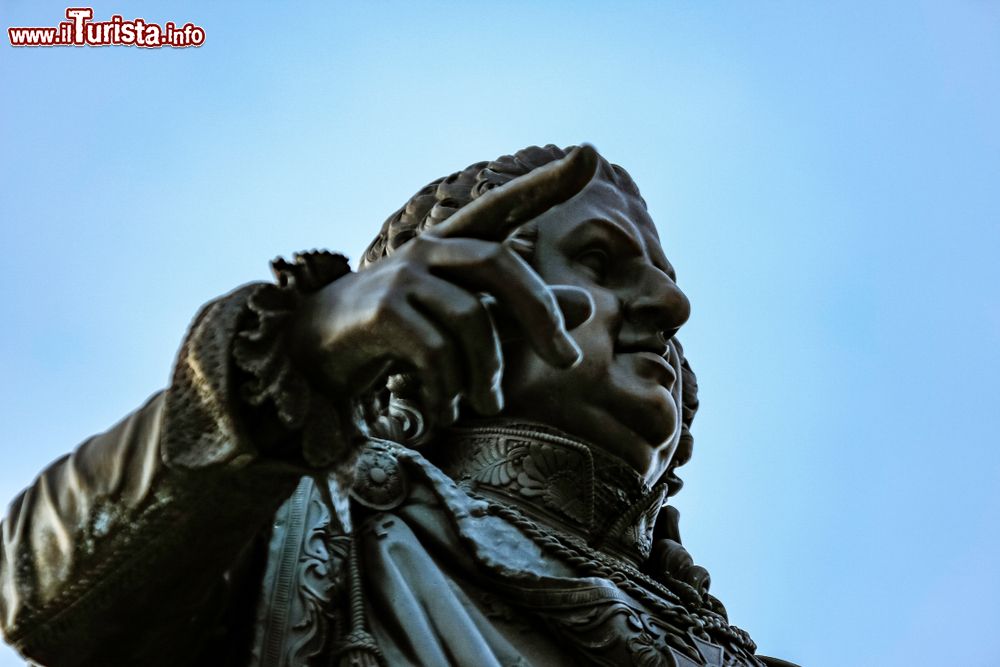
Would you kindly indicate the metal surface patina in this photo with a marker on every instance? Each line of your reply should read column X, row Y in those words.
column 459, row 454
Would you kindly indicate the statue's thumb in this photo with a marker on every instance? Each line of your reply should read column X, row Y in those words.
column 576, row 304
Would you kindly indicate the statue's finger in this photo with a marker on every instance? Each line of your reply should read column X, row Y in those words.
column 485, row 266
column 470, row 327
column 497, row 213
column 576, row 304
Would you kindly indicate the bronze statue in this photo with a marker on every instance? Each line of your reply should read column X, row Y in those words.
column 460, row 454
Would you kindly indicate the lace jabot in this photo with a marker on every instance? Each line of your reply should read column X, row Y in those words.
column 557, row 479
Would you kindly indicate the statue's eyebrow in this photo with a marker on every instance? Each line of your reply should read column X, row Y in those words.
column 621, row 235
column 656, row 257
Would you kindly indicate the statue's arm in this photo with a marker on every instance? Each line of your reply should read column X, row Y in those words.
column 118, row 549
column 123, row 539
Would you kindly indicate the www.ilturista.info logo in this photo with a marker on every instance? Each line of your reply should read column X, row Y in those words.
column 79, row 30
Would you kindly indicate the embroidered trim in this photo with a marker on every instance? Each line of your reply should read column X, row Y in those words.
column 589, row 491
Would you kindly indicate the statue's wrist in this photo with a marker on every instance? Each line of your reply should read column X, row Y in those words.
column 292, row 415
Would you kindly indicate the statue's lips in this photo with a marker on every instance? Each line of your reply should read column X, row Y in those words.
column 657, row 363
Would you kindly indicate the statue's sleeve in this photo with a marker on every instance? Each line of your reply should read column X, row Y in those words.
column 115, row 553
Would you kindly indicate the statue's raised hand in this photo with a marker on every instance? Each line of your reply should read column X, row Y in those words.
column 420, row 310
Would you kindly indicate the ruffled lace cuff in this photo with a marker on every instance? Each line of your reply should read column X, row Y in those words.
column 271, row 383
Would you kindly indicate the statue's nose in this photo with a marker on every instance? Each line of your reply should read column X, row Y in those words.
column 659, row 303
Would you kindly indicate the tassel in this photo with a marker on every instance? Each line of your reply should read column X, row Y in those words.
column 358, row 648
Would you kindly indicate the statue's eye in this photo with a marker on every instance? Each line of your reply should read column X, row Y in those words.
column 597, row 262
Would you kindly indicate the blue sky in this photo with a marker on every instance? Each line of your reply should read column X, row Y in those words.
column 824, row 177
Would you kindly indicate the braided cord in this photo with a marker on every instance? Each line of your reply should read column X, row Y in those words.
column 644, row 588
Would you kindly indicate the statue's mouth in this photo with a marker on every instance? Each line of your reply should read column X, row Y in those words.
column 653, row 342
column 661, row 366
column 655, row 356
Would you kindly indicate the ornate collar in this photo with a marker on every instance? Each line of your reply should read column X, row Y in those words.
column 558, row 480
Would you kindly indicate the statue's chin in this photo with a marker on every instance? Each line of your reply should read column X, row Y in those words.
column 656, row 432
column 645, row 441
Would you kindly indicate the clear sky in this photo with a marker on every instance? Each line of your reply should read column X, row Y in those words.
column 824, row 176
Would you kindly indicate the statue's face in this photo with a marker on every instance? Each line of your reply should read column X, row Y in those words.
column 625, row 396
